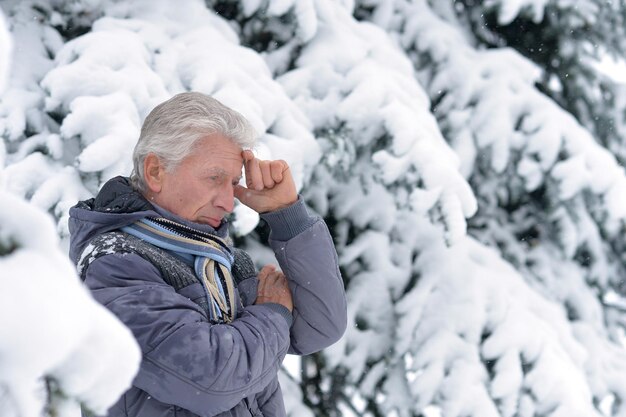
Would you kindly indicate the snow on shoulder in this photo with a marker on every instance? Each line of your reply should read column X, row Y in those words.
column 52, row 331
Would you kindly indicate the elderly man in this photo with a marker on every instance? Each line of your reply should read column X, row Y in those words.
column 155, row 250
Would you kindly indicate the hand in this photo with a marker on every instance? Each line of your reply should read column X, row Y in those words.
column 269, row 184
column 273, row 288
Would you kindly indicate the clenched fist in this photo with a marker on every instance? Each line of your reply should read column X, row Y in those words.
column 269, row 184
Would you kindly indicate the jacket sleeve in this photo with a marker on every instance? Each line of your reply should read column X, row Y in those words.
column 306, row 253
column 270, row 401
column 187, row 361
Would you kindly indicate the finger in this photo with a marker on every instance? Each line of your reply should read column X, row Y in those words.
column 247, row 155
column 278, row 275
column 240, row 193
column 254, row 178
column 243, row 194
column 268, row 284
column 277, row 168
column 281, row 281
column 270, row 280
column 266, row 270
column 268, row 182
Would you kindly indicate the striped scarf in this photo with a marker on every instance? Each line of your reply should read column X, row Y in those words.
column 211, row 256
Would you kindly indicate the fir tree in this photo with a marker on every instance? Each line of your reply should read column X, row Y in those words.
column 465, row 155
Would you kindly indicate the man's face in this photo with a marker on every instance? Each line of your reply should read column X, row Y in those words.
column 201, row 187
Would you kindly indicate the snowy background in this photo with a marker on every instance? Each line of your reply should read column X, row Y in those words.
column 467, row 156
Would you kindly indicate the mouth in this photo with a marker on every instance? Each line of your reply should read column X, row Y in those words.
column 215, row 223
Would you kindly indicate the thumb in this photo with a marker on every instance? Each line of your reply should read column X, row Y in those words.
column 243, row 194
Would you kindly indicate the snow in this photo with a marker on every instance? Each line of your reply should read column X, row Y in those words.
column 479, row 226
column 614, row 68
column 307, row 19
column 293, row 396
column 510, row 9
column 572, row 176
column 376, row 97
column 88, row 352
column 491, row 108
column 103, row 144
column 5, row 53
column 520, row 324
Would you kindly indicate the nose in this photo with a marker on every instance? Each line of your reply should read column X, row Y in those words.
column 225, row 200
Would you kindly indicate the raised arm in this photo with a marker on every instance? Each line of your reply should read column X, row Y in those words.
column 305, row 252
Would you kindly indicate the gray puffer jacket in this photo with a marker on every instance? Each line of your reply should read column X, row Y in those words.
column 191, row 367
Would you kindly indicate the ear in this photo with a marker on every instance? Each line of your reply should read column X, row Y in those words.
column 153, row 173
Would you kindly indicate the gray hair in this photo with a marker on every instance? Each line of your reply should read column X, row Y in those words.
column 174, row 127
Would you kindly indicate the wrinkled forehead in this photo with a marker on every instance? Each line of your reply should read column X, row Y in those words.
column 220, row 155
column 231, row 169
